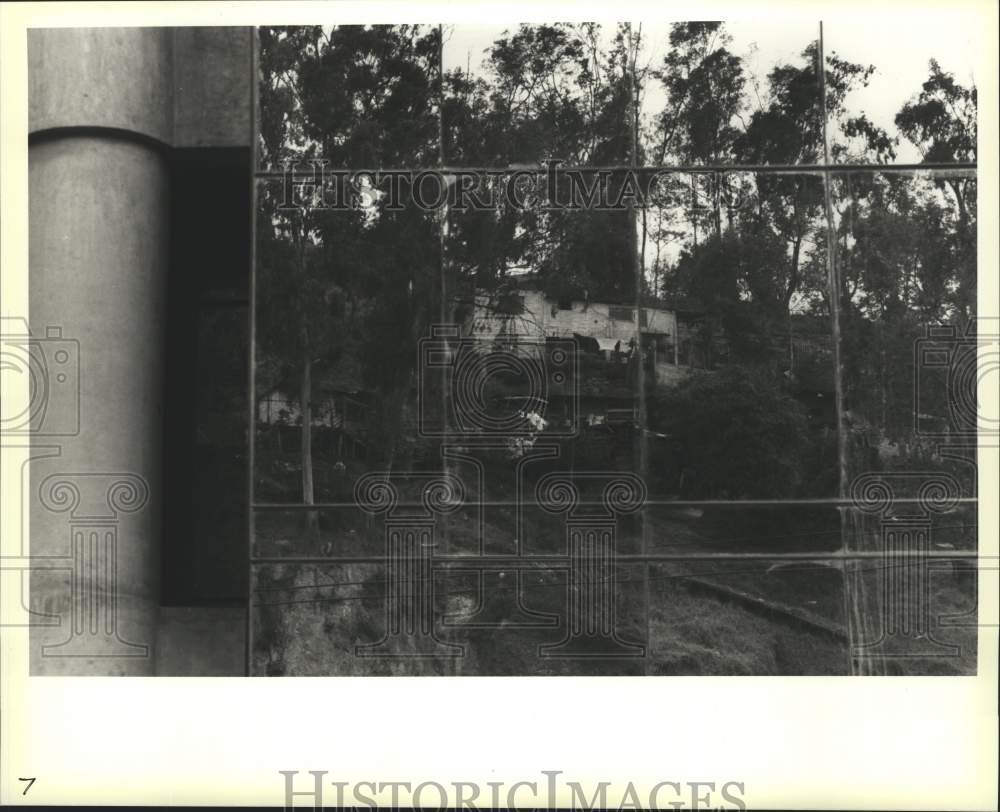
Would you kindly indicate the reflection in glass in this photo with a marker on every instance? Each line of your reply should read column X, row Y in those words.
column 555, row 285
column 449, row 394
column 521, row 94
column 742, row 405
column 905, row 245
column 913, row 600
column 906, row 255
column 342, row 299
column 748, row 618
column 731, row 528
column 730, row 93
column 354, row 95
column 912, row 103
column 353, row 619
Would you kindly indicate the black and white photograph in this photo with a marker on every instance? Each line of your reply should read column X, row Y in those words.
column 512, row 347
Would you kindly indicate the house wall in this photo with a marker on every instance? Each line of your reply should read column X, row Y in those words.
column 543, row 318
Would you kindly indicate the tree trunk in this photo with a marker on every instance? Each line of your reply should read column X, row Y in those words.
column 694, row 211
column 793, row 275
column 305, row 400
column 963, row 212
column 717, row 204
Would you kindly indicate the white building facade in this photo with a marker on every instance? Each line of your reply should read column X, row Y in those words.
column 544, row 317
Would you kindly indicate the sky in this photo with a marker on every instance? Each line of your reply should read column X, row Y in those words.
column 900, row 49
column 898, row 46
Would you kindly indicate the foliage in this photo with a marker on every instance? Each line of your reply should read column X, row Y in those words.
column 363, row 286
column 942, row 119
column 737, row 435
column 359, row 96
column 704, row 83
column 347, row 288
column 549, row 92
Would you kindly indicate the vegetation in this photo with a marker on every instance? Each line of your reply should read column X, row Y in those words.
column 350, row 293
column 364, row 285
column 737, row 436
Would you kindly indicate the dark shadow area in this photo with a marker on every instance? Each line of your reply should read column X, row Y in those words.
column 203, row 559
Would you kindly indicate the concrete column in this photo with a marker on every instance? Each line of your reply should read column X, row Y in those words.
column 101, row 120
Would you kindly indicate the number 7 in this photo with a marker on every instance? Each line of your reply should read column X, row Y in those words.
column 30, row 782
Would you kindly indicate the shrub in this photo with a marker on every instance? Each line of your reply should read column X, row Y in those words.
column 737, row 435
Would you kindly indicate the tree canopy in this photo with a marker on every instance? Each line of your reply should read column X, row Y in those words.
column 364, row 285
